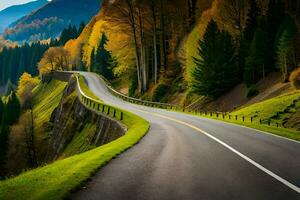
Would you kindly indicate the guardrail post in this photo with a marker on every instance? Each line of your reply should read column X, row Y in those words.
column 121, row 117
column 243, row 118
column 236, row 117
column 114, row 113
column 98, row 106
column 229, row 116
column 108, row 111
column 103, row 108
column 223, row 116
column 251, row 119
column 217, row 115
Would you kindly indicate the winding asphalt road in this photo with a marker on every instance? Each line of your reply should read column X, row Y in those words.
column 185, row 157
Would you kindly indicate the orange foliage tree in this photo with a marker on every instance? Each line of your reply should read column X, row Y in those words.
column 55, row 58
column 25, row 87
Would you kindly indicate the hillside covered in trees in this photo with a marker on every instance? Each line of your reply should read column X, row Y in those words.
column 13, row 13
column 196, row 47
column 48, row 21
column 232, row 60
column 14, row 61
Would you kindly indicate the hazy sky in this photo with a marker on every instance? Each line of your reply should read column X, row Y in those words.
column 7, row 3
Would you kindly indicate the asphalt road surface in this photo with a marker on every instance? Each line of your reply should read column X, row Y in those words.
column 186, row 157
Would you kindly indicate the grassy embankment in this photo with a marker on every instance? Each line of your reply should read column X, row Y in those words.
column 46, row 99
column 56, row 180
column 277, row 110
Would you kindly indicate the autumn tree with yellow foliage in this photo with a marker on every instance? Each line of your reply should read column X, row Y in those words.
column 55, row 58
column 25, row 86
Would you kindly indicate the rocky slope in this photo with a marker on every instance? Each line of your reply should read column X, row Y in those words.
column 63, row 127
column 71, row 119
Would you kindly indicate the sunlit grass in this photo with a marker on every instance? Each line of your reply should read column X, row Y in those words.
column 46, row 99
column 275, row 110
column 56, row 180
column 86, row 90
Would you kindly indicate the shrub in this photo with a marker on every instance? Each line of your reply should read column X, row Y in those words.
column 295, row 78
column 160, row 92
column 252, row 92
column 133, row 86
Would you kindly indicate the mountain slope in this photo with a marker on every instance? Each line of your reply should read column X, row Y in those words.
column 13, row 13
column 51, row 19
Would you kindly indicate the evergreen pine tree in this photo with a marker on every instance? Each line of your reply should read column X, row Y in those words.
column 74, row 32
column 216, row 68
column 4, row 134
column 275, row 17
column 92, row 61
column 255, row 62
column 252, row 21
column 286, row 36
column 1, row 110
column 248, row 34
column 12, row 109
column 81, row 27
column 104, row 60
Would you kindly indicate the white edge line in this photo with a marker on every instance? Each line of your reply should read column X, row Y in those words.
column 282, row 180
column 239, row 125
column 244, row 126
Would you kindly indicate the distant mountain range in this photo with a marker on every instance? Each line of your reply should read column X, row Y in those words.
column 13, row 13
column 49, row 21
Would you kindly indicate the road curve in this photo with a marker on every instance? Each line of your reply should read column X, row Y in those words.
column 187, row 157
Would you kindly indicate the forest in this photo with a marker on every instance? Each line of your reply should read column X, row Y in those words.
column 201, row 47
column 14, row 61
column 187, row 53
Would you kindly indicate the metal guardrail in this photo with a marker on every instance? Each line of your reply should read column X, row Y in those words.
column 213, row 114
column 97, row 105
column 109, row 110
column 135, row 100
column 227, row 116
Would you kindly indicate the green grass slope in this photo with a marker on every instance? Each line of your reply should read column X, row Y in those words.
column 276, row 110
column 46, row 98
column 56, row 180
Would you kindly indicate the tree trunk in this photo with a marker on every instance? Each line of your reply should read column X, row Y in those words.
column 192, row 12
column 30, row 142
column 143, row 65
column 132, row 24
column 264, row 72
column 285, row 73
column 154, row 42
column 163, row 37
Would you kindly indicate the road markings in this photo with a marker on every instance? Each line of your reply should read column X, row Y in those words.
column 282, row 180
column 243, row 126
